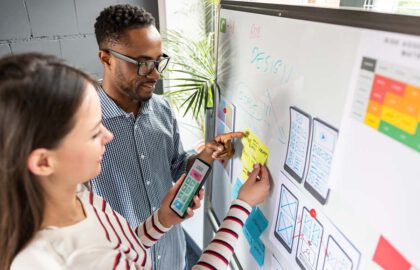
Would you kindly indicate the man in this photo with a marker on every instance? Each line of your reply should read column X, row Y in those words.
column 146, row 155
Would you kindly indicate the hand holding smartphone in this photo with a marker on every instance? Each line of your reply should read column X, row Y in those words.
column 191, row 186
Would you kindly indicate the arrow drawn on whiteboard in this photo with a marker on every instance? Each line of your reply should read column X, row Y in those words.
column 282, row 137
column 261, row 110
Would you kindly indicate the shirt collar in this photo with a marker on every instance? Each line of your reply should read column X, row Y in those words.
column 110, row 109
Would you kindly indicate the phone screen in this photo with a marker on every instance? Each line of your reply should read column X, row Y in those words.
column 324, row 138
column 336, row 257
column 297, row 148
column 310, row 238
column 190, row 187
column 286, row 218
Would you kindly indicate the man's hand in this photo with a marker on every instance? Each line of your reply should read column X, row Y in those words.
column 167, row 216
column 220, row 148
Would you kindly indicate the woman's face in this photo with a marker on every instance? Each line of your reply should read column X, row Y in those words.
column 79, row 155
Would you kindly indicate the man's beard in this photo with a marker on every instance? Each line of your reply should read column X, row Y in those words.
column 134, row 96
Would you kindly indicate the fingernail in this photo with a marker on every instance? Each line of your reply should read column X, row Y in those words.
column 220, row 148
column 256, row 166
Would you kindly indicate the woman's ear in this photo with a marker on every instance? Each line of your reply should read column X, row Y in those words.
column 40, row 162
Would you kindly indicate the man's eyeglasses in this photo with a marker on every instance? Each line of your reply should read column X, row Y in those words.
column 144, row 67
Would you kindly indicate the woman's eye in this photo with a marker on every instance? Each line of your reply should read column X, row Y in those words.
column 96, row 135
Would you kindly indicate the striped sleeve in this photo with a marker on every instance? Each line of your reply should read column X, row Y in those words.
column 151, row 230
column 219, row 252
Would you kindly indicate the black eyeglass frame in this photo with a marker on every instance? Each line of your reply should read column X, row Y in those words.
column 139, row 64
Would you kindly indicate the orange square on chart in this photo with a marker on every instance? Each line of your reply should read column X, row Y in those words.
column 412, row 109
column 374, row 108
column 394, row 101
column 412, row 95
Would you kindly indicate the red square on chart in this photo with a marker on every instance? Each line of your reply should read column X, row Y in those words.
column 379, row 88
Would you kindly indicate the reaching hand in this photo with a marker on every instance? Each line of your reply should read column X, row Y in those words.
column 257, row 187
column 167, row 216
column 220, row 148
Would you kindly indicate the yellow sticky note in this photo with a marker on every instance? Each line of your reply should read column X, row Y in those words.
column 255, row 151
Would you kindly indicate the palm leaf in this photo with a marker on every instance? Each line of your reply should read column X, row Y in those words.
column 184, row 85
column 176, row 92
column 191, row 102
column 189, row 73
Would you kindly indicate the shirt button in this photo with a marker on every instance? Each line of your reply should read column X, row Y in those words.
column 142, row 156
column 158, row 257
column 153, row 208
column 148, row 182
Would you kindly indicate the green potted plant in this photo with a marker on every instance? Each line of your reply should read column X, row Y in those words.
column 191, row 76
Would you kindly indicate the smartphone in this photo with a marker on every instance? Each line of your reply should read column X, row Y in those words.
column 191, row 186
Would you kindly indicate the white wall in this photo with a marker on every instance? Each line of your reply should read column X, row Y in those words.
column 60, row 27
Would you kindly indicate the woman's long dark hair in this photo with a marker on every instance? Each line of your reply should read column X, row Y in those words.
column 39, row 96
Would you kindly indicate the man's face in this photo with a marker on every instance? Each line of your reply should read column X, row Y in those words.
column 141, row 44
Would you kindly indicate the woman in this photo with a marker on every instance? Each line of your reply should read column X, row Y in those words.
column 51, row 141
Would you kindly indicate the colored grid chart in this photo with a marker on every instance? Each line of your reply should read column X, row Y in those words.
column 387, row 98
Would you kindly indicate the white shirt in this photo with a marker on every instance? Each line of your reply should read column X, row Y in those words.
column 104, row 240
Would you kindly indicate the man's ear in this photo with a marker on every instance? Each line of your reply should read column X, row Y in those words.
column 40, row 162
column 104, row 57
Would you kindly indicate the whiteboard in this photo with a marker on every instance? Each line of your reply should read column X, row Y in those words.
column 338, row 106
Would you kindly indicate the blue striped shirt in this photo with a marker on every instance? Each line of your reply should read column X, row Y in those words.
column 138, row 168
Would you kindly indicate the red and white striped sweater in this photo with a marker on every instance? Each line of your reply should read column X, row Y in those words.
column 105, row 240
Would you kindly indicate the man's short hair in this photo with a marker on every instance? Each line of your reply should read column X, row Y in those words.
column 113, row 21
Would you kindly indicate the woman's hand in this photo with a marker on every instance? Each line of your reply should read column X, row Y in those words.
column 167, row 216
column 257, row 187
